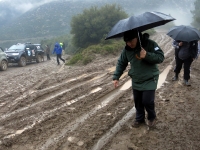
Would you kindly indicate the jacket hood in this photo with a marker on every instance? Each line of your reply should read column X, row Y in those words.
column 57, row 45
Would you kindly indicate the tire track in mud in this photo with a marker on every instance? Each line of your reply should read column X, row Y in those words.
column 43, row 96
column 101, row 77
column 109, row 86
column 76, row 119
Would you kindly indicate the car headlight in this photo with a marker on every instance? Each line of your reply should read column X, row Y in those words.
column 15, row 54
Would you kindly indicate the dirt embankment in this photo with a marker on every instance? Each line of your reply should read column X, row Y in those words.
column 48, row 107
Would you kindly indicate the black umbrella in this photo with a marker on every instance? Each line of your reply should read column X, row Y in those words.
column 141, row 22
column 184, row 33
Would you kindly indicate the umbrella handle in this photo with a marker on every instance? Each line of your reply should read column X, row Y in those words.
column 137, row 57
column 139, row 39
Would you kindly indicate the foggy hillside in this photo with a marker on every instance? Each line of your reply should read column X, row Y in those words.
column 45, row 18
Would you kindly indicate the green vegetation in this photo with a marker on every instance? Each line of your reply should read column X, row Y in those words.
column 51, row 42
column 89, row 31
column 150, row 31
column 196, row 14
column 86, row 56
column 93, row 24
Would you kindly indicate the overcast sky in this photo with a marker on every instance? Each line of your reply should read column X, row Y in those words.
column 183, row 17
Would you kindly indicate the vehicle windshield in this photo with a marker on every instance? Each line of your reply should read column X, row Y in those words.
column 17, row 47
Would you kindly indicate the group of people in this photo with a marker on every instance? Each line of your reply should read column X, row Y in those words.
column 144, row 54
column 58, row 49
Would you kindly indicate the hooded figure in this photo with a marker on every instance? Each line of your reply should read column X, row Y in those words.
column 143, row 55
column 58, row 51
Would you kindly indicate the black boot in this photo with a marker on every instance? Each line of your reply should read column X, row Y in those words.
column 187, row 83
column 175, row 78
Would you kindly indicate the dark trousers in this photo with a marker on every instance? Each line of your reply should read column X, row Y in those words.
column 48, row 57
column 59, row 57
column 144, row 100
column 187, row 63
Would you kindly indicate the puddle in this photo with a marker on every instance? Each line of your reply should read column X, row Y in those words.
column 123, row 75
column 20, row 131
column 2, row 104
column 163, row 76
column 96, row 90
column 109, row 135
column 127, row 85
column 111, row 69
column 98, row 77
column 74, row 79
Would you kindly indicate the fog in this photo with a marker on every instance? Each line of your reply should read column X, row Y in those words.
column 24, row 5
column 182, row 12
column 182, row 15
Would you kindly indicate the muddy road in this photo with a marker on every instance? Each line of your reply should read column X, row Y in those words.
column 48, row 107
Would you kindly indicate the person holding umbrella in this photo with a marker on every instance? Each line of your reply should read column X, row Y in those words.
column 143, row 55
column 198, row 49
column 185, row 53
column 144, row 73
column 186, row 49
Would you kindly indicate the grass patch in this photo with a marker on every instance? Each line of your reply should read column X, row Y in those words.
column 87, row 55
column 106, row 47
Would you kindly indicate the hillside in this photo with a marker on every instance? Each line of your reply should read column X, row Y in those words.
column 53, row 18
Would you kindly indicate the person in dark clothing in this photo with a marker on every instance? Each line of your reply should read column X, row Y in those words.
column 185, row 53
column 198, row 49
column 63, row 46
column 58, row 51
column 144, row 73
column 47, row 50
column 146, row 35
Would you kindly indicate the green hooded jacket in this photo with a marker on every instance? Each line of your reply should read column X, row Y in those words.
column 144, row 72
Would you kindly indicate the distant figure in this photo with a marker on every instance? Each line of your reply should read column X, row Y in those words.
column 48, row 52
column 63, row 47
column 185, row 53
column 58, row 51
column 198, row 48
column 146, row 35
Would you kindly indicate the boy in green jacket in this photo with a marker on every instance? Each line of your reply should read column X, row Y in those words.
column 143, row 55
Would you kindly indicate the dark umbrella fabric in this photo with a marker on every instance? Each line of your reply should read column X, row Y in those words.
column 141, row 22
column 184, row 33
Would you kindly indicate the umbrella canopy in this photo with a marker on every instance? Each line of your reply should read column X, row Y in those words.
column 184, row 33
column 141, row 22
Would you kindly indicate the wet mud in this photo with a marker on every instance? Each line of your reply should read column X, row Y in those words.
column 48, row 107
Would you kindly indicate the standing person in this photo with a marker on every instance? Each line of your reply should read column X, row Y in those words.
column 58, row 51
column 48, row 52
column 198, row 48
column 62, row 46
column 185, row 53
column 144, row 73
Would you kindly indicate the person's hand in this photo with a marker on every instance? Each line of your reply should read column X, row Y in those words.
column 116, row 83
column 143, row 53
column 180, row 44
